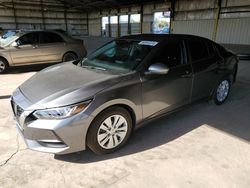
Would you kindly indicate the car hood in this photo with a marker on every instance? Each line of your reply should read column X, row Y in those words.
column 66, row 84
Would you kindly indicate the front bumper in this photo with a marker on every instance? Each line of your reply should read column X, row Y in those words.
column 52, row 136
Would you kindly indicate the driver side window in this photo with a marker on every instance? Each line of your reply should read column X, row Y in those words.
column 30, row 38
column 169, row 54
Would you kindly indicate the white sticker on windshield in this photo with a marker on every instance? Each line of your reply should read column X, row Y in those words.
column 148, row 43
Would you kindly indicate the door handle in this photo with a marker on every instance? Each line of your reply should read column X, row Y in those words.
column 187, row 74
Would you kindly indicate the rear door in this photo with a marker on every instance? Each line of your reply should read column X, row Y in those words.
column 205, row 62
column 27, row 51
column 52, row 46
column 163, row 93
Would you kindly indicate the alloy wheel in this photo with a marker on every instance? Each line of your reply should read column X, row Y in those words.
column 223, row 90
column 112, row 131
column 2, row 66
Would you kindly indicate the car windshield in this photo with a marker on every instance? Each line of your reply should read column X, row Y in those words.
column 8, row 34
column 119, row 55
column 8, row 37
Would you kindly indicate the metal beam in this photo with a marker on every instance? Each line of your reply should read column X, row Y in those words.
column 14, row 14
column 65, row 20
column 118, row 24
column 42, row 12
column 172, row 14
column 129, row 24
column 141, row 17
column 109, row 25
column 88, row 24
column 217, row 17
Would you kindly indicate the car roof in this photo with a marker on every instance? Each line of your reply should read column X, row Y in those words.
column 161, row 37
column 62, row 34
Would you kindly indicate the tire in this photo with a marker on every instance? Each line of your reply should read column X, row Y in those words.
column 3, row 65
column 69, row 56
column 221, row 91
column 103, row 136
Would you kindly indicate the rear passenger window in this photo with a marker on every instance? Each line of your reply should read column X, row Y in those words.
column 169, row 54
column 198, row 49
column 47, row 37
column 211, row 49
column 221, row 50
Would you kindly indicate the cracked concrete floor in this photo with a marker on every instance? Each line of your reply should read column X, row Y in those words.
column 200, row 146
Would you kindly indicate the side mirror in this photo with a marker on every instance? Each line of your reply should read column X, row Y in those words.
column 14, row 44
column 157, row 68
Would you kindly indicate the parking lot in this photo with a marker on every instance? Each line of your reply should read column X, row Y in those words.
column 162, row 59
column 202, row 145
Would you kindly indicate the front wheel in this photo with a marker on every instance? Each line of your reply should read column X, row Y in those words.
column 69, row 56
column 221, row 91
column 110, row 130
column 3, row 65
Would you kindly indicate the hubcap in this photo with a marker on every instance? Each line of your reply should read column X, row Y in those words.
column 222, row 90
column 112, row 131
column 2, row 66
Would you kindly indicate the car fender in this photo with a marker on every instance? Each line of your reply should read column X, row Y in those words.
column 6, row 55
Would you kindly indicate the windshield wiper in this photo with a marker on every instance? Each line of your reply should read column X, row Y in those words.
column 92, row 67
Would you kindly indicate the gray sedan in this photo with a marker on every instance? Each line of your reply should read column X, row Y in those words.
column 98, row 101
column 38, row 47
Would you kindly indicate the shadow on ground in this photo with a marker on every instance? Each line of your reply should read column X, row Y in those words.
column 229, row 118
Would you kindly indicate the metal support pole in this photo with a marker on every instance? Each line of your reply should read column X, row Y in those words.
column 141, row 19
column 14, row 14
column 109, row 25
column 42, row 12
column 65, row 20
column 118, row 24
column 88, row 24
column 129, row 25
column 216, row 21
column 172, row 14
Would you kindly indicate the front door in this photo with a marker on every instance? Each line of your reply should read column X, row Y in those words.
column 163, row 93
column 27, row 51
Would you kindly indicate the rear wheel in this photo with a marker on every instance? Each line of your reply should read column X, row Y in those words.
column 69, row 56
column 3, row 65
column 110, row 130
column 221, row 91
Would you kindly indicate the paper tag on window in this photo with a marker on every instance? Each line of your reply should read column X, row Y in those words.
column 148, row 43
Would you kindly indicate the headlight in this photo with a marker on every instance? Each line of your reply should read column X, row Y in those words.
column 61, row 112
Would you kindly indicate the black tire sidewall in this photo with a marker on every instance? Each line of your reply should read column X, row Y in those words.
column 70, row 54
column 92, row 142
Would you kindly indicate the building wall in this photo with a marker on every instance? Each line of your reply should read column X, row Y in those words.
column 195, row 17
column 43, row 14
column 147, row 17
column 198, row 18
